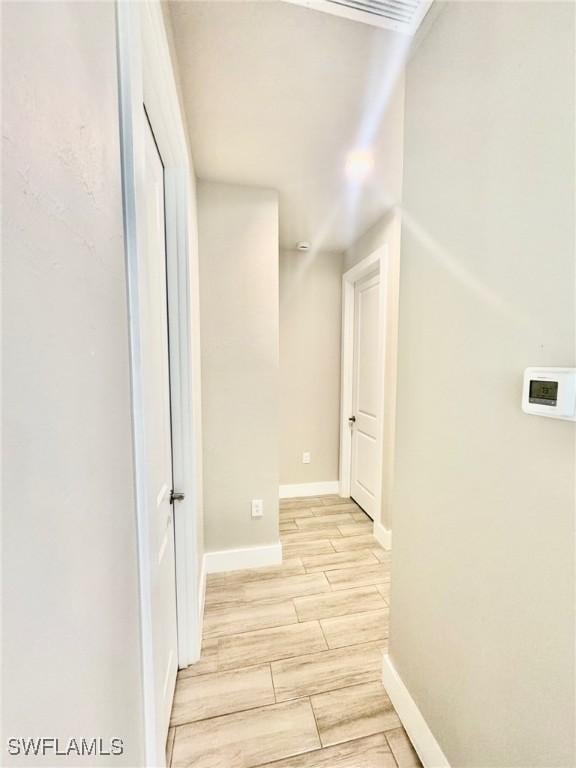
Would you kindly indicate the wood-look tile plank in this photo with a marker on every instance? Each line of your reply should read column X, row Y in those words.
column 286, row 588
column 208, row 660
column 346, row 543
column 198, row 698
column 402, row 749
column 326, row 532
column 331, row 499
column 246, row 617
column 322, row 521
column 346, row 578
column 269, row 590
column 325, row 671
column 339, row 603
column 360, row 517
column 339, row 560
column 287, row 525
column 384, row 555
column 247, row 739
column 296, row 513
column 356, row 529
column 306, row 503
column 370, row 752
column 221, row 596
column 349, row 507
column 289, row 567
column 342, row 631
column 265, row 645
column 350, row 713
column 303, row 548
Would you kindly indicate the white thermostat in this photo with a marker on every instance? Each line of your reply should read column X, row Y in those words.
column 550, row 392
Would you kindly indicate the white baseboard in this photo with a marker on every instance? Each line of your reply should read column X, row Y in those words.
column 383, row 535
column 300, row 490
column 247, row 557
column 416, row 727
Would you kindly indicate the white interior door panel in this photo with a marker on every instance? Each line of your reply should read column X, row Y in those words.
column 365, row 395
column 158, row 436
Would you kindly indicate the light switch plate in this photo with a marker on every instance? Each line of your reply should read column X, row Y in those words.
column 306, row 458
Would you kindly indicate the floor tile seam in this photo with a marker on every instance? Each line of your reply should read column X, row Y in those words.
column 356, row 645
column 236, row 712
column 315, row 723
column 331, row 690
column 324, row 650
column 341, row 567
column 272, row 681
column 357, row 586
column 269, row 661
column 225, row 714
column 390, row 746
column 257, row 629
column 324, row 749
column 338, row 585
column 269, row 600
column 225, row 607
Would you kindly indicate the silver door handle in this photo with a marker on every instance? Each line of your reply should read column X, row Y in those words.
column 176, row 496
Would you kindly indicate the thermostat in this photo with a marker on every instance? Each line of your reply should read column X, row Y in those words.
column 550, row 392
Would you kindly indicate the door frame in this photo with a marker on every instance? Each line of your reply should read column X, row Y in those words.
column 146, row 78
column 376, row 262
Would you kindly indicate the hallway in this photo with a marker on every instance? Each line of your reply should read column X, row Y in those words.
column 290, row 673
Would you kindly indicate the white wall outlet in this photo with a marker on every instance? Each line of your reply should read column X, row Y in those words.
column 306, row 458
column 257, row 508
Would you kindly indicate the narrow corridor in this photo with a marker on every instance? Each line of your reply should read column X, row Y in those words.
column 291, row 665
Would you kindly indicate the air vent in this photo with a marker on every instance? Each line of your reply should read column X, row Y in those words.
column 399, row 15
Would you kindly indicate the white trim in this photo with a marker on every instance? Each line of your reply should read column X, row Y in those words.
column 382, row 535
column 129, row 64
column 201, row 599
column 238, row 559
column 422, row 738
column 163, row 107
column 300, row 490
column 377, row 261
column 146, row 77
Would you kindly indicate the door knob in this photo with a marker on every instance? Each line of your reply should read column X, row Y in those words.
column 352, row 419
column 176, row 496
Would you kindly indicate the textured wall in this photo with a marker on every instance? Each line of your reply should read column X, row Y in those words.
column 70, row 613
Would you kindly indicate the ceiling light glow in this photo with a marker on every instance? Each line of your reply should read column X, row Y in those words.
column 359, row 164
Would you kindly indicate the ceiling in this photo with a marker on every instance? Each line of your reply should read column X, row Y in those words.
column 277, row 95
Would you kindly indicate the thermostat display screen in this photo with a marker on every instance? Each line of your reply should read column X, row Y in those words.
column 543, row 392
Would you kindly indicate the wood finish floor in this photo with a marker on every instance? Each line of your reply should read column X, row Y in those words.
column 291, row 666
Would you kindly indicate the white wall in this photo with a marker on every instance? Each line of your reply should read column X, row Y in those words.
column 482, row 620
column 386, row 231
column 238, row 240
column 310, row 320
column 70, row 610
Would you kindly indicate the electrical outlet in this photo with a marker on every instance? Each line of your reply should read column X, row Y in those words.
column 257, row 508
column 306, row 458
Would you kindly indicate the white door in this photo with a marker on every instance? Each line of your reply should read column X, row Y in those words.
column 364, row 419
column 158, row 438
